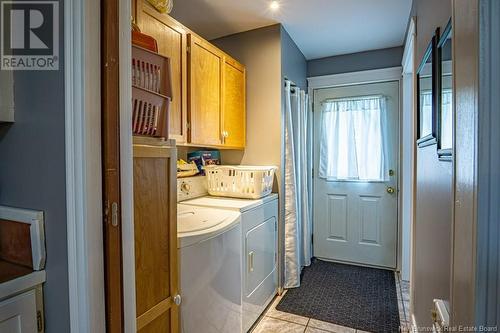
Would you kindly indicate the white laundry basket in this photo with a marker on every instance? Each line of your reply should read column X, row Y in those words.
column 248, row 182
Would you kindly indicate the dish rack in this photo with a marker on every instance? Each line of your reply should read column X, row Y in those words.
column 151, row 93
column 247, row 182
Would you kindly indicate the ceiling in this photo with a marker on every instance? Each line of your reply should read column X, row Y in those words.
column 320, row 28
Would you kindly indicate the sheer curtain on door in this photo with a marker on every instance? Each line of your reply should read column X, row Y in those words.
column 298, row 185
column 352, row 140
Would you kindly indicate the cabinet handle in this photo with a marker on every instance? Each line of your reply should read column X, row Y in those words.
column 177, row 299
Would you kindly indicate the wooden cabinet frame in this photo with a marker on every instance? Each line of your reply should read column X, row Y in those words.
column 144, row 10
column 148, row 150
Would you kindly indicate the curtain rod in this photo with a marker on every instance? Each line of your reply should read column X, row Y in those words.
column 353, row 98
column 292, row 84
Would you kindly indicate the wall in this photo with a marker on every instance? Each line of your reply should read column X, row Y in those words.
column 293, row 62
column 269, row 55
column 354, row 62
column 32, row 172
column 487, row 278
column 260, row 51
column 432, row 231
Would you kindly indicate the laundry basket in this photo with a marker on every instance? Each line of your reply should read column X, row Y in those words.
column 248, row 182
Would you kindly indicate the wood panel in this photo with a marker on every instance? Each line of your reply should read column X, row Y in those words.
column 155, row 227
column 10, row 271
column 111, row 165
column 172, row 43
column 234, row 116
column 160, row 324
column 205, row 92
column 15, row 243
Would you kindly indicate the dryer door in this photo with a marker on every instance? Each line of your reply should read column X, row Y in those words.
column 260, row 249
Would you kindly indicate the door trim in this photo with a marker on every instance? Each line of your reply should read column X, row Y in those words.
column 126, row 170
column 83, row 165
column 365, row 77
column 355, row 78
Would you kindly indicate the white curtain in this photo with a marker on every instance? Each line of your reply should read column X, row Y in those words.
column 298, row 185
column 352, row 140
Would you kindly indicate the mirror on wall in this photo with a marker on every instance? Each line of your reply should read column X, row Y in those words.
column 445, row 97
column 426, row 99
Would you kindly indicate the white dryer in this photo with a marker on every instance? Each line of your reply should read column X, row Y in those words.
column 259, row 224
column 209, row 242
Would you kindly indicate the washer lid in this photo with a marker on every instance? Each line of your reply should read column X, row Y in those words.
column 192, row 219
column 241, row 205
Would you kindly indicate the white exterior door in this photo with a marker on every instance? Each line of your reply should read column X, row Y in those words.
column 355, row 220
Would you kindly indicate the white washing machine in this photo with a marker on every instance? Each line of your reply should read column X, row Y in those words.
column 259, row 223
column 209, row 242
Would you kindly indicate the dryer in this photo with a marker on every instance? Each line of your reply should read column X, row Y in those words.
column 259, row 225
column 209, row 242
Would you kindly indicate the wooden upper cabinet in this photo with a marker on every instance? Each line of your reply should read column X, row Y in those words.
column 234, row 117
column 205, row 92
column 208, row 86
column 155, row 232
column 171, row 37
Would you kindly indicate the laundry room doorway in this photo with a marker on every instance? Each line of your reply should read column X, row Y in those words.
column 356, row 171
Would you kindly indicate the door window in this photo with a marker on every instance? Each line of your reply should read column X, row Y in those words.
column 352, row 140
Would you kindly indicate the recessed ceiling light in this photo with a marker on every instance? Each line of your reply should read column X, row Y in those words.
column 274, row 5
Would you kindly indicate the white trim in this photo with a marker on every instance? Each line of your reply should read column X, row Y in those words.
column 408, row 138
column 361, row 77
column 127, row 194
column 365, row 77
column 83, row 165
column 408, row 54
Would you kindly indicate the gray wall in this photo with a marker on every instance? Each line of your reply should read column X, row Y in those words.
column 260, row 51
column 293, row 62
column 361, row 61
column 32, row 173
column 432, row 230
column 487, row 282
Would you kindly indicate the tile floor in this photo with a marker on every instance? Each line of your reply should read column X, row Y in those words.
column 274, row 321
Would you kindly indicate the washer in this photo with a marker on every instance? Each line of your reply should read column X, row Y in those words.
column 259, row 222
column 209, row 242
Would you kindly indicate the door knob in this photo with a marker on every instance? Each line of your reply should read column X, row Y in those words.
column 391, row 190
column 177, row 299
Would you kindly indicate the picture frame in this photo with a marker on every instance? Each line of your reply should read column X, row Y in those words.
column 426, row 96
column 445, row 103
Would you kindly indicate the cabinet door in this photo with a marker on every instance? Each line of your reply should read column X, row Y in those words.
column 172, row 42
column 18, row 314
column 205, row 87
column 234, row 117
column 155, row 227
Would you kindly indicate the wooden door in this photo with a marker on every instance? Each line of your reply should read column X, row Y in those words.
column 172, row 43
column 205, row 92
column 234, row 117
column 111, row 166
column 155, row 227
